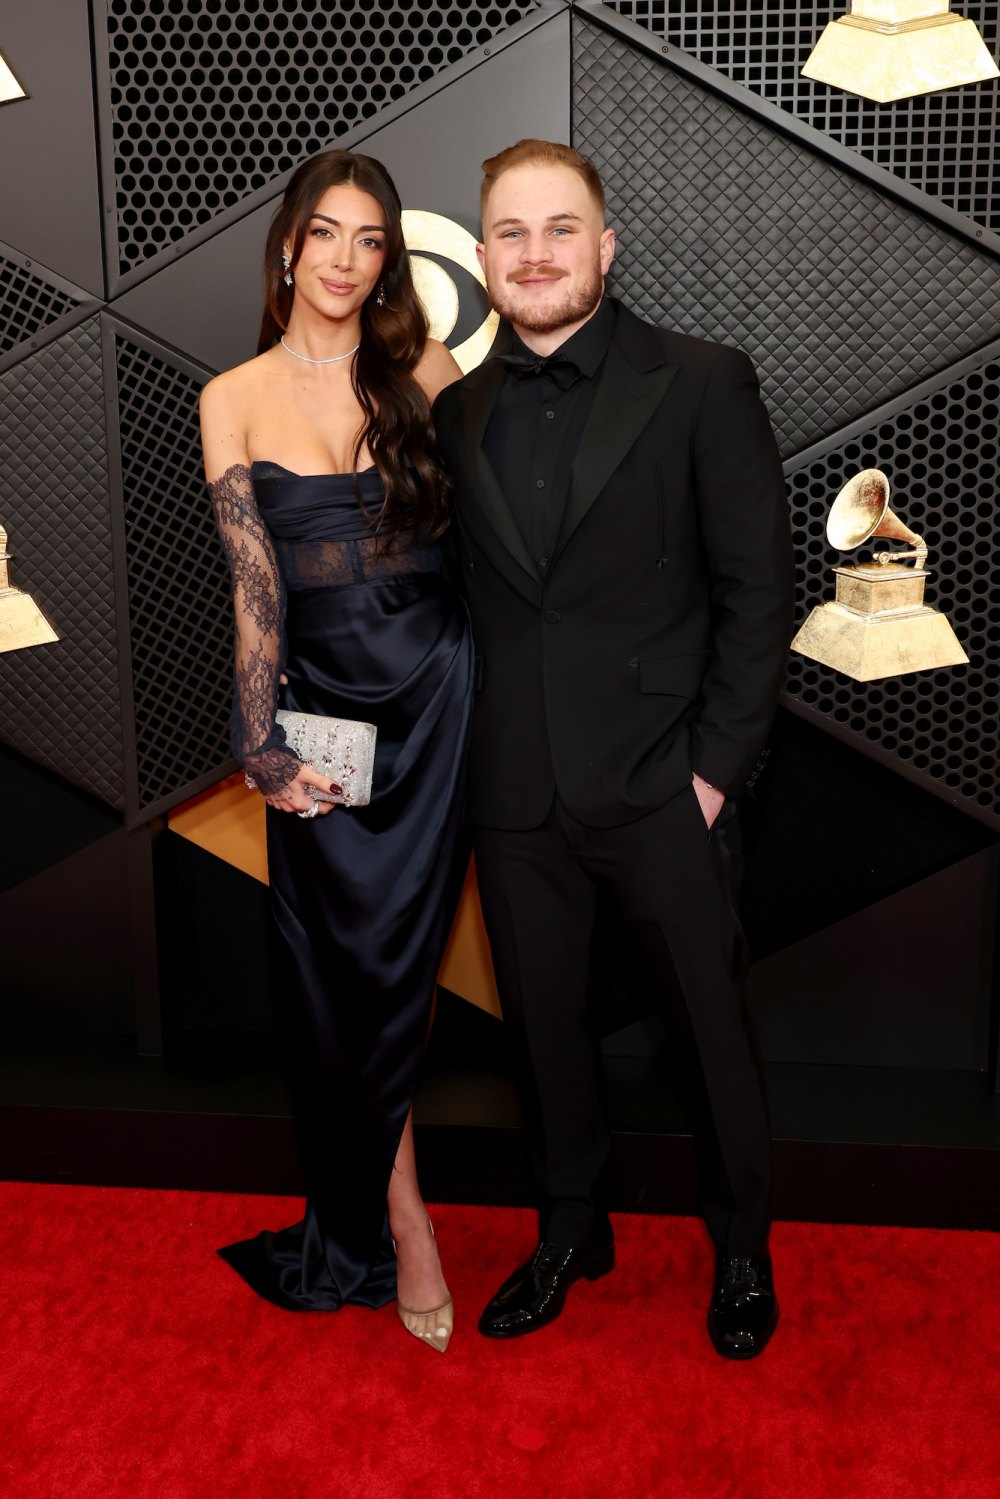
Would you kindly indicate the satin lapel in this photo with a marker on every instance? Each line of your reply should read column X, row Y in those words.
column 482, row 480
column 626, row 399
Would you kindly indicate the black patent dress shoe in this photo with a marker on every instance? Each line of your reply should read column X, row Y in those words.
column 536, row 1293
column 744, row 1309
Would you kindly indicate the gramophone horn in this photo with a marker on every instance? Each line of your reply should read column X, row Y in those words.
column 861, row 510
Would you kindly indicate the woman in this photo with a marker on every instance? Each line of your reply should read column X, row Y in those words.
column 329, row 497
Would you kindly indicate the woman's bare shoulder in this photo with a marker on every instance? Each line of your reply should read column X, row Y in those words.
column 239, row 384
column 228, row 407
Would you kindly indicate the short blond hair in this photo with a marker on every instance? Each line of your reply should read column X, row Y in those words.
column 540, row 153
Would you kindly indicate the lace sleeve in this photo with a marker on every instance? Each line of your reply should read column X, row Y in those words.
column 259, row 606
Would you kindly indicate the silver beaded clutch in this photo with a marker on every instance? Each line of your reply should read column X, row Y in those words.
column 341, row 748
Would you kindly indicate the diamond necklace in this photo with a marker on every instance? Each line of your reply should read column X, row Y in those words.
column 334, row 359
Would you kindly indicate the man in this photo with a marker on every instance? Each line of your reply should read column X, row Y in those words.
column 626, row 558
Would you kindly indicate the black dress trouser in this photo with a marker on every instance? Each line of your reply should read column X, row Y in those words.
column 671, row 881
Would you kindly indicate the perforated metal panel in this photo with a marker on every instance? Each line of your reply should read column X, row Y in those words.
column 181, row 619
column 61, row 704
column 942, row 456
column 212, row 100
column 944, row 144
column 728, row 229
column 27, row 304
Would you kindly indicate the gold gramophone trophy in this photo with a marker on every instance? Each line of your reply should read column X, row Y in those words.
column 21, row 621
column 878, row 625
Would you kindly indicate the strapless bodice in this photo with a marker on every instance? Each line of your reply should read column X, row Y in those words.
column 322, row 527
column 316, row 507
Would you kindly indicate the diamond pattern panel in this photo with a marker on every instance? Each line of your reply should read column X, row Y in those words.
column 61, row 701
column 212, row 100
column 181, row 619
column 729, row 230
column 944, row 143
column 942, row 457
column 26, row 304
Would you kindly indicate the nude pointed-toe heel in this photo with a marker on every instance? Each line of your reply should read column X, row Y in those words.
column 434, row 1327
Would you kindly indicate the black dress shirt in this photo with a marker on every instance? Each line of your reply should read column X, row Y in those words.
column 536, row 426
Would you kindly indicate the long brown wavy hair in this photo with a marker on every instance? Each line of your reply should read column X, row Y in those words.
column 397, row 424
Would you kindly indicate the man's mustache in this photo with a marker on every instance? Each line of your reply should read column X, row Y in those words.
column 538, row 275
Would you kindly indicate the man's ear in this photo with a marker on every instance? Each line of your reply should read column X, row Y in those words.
column 607, row 250
column 481, row 255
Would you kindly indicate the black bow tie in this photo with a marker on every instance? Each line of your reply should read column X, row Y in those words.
column 563, row 371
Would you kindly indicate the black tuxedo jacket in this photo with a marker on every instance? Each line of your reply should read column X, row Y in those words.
column 656, row 642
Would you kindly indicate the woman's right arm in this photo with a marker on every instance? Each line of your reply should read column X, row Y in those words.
column 258, row 593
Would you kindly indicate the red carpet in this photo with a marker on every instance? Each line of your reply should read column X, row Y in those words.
column 136, row 1364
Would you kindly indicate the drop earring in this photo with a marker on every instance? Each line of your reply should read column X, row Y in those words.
column 380, row 299
column 286, row 261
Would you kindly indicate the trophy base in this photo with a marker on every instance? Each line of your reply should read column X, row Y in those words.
column 21, row 622
column 867, row 647
column 885, row 61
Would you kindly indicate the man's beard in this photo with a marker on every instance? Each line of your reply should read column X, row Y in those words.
column 577, row 304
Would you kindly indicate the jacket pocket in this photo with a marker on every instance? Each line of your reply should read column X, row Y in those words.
column 678, row 676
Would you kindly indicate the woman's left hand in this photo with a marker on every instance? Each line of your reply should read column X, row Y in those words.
column 300, row 795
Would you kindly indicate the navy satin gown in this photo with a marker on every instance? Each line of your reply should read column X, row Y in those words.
column 363, row 897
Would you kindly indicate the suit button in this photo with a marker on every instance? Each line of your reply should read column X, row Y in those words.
column 552, row 616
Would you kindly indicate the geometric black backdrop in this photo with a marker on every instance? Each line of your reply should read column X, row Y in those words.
column 200, row 107
column 178, row 594
column 28, row 303
column 941, row 446
column 208, row 102
column 62, row 703
column 944, row 144
column 862, row 278
column 864, row 317
column 731, row 229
